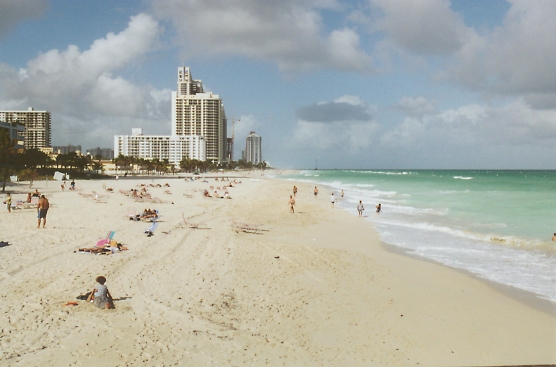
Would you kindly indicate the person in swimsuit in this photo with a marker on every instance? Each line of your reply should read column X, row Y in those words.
column 332, row 199
column 360, row 208
column 316, row 191
column 291, row 203
column 294, row 190
column 42, row 209
column 378, row 208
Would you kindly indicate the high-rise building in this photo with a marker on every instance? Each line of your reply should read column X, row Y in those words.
column 173, row 148
column 104, row 153
column 65, row 149
column 253, row 150
column 36, row 123
column 195, row 112
column 15, row 132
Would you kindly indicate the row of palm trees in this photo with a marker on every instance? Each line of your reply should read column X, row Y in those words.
column 27, row 164
column 135, row 165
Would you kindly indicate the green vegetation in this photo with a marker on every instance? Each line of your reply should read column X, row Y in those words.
column 31, row 165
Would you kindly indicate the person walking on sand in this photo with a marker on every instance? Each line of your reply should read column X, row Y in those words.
column 332, row 199
column 9, row 203
column 378, row 208
column 294, row 190
column 316, row 192
column 42, row 209
column 291, row 203
column 360, row 208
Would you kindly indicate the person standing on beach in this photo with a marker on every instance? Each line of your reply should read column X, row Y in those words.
column 378, row 208
column 42, row 209
column 332, row 199
column 291, row 203
column 342, row 193
column 554, row 237
column 316, row 192
column 360, row 208
column 9, row 203
column 294, row 190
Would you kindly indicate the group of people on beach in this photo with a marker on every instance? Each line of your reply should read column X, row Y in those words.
column 360, row 207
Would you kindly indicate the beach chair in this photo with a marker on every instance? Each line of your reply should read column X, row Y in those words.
column 150, row 231
column 106, row 240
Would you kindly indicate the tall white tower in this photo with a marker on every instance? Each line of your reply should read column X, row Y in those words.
column 253, row 149
column 195, row 112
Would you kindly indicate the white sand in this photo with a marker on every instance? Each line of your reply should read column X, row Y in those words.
column 315, row 288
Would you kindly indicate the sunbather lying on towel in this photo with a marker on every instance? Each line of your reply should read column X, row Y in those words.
column 110, row 248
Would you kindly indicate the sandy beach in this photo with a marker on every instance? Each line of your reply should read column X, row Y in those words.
column 242, row 282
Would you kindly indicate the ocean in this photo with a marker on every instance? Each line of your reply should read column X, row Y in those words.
column 497, row 225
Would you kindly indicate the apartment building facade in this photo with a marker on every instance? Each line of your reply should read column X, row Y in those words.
column 195, row 112
column 37, row 124
column 253, row 148
column 173, row 148
column 15, row 132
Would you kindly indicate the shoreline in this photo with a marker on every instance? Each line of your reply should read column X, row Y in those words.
column 528, row 298
column 538, row 300
column 317, row 287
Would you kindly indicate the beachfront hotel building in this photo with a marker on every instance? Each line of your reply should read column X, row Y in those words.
column 199, row 128
column 15, row 132
column 36, row 123
column 174, row 148
column 253, row 149
column 195, row 112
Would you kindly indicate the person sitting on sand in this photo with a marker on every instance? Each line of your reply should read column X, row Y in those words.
column 206, row 194
column 28, row 198
column 166, row 184
column 100, row 295
column 36, row 194
column 227, row 195
column 72, row 185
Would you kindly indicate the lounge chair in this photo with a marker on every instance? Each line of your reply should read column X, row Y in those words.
column 106, row 240
column 150, row 231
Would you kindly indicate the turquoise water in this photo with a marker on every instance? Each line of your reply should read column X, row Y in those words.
column 495, row 224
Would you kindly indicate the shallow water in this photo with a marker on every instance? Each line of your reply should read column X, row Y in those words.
column 495, row 224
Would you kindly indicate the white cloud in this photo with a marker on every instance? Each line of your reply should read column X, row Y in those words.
column 13, row 12
column 422, row 27
column 473, row 127
column 516, row 58
column 415, row 106
column 287, row 32
column 87, row 101
column 344, row 125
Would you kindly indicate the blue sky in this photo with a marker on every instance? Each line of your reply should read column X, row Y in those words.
column 356, row 84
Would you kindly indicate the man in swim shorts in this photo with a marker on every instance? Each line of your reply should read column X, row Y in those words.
column 42, row 209
column 316, row 191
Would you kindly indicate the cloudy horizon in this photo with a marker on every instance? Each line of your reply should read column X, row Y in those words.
column 355, row 84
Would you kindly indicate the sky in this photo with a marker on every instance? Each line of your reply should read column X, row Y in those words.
column 399, row 84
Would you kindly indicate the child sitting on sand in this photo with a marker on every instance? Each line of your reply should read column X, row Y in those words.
column 100, row 296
